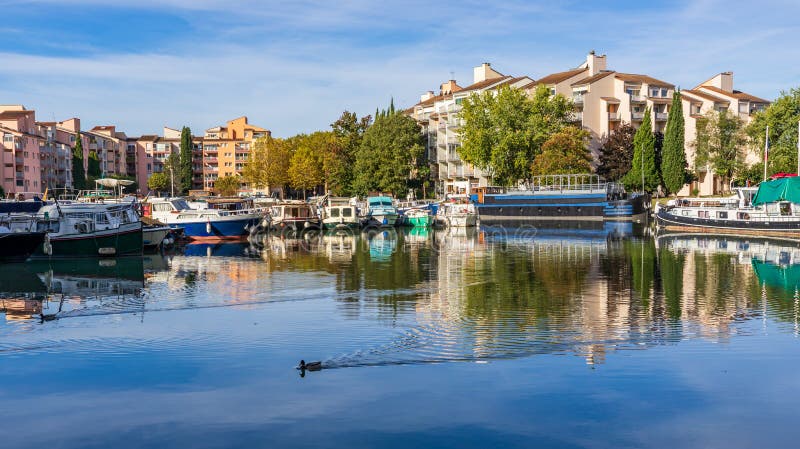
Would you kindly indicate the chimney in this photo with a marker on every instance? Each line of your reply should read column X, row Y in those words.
column 595, row 63
column 449, row 87
column 426, row 96
column 484, row 72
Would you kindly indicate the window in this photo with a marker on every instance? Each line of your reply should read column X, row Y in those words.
column 743, row 216
column 8, row 138
column 335, row 213
column 786, row 209
column 653, row 91
column 347, row 212
column 703, row 214
column 663, row 92
column 722, row 215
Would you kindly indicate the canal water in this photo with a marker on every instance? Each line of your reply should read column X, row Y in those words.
column 595, row 337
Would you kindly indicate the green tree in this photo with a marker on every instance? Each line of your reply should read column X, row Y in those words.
column 93, row 171
column 268, row 163
column 564, row 152
column 388, row 154
column 720, row 144
column 673, row 154
column 504, row 131
column 782, row 117
column 305, row 171
column 158, row 182
column 643, row 166
column 186, row 160
column 227, row 185
column 78, row 173
column 348, row 131
column 172, row 169
column 616, row 153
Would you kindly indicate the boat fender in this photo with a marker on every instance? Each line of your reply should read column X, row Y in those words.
column 47, row 247
column 208, row 227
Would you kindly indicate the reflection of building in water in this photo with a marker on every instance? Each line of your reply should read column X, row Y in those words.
column 340, row 248
column 591, row 296
column 20, row 308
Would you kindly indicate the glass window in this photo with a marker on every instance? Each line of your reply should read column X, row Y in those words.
column 723, row 215
column 347, row 212
column 663, row 92
column 335, row 212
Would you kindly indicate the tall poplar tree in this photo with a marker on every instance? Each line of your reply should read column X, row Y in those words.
column 644, row 158
column 673, row 155
column 186, row 159
column 78, row 173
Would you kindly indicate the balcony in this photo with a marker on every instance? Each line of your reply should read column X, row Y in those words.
column 613, row 116
column 19, row 160
column 577, row 99
column 210, row 160
column 637, row 115
column 661, row 116
column 453, row 157
column 637, row 99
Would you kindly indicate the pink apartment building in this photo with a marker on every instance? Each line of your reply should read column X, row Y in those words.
column 21, row 169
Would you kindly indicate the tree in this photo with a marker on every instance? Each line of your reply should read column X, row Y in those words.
column 172, row 169
column 186, row 159
column 158, row 182
column 720, row 143
column 564, row 152
column 78, row 173
column 643, row 166
column 782, row 117
column 387, row 155
column 268, row 163
column 305, row 171
column 227, row 185
column 94, row 170
column 616, row 153
column 673, row 154
column 348, row 131
column 504, row 131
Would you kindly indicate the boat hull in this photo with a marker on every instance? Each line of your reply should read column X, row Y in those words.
column 152, row 237
column 341, row 225
column 18, row 246
column 217, row 229
column 108, row 243
column 423, row 221
column 781, row 228
column 384, row 220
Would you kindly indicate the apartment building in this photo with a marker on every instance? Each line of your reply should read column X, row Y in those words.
column 225, row 150
column 438, row 116
column 148, row 154
column 715, row 94
column 110, row 146
column 20, row 150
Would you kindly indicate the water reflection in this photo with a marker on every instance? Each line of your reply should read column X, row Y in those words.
column 451, row 295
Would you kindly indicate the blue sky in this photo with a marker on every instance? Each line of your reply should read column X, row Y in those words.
column 294, row 66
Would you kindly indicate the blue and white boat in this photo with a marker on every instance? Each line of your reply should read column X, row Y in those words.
column 381, row 211
column 225, row 218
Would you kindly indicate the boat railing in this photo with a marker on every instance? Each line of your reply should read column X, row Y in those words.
column 583, row 183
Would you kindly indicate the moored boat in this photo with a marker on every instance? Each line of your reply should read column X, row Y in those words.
column 381, row 211
column 419, row 218
column 19, row 245
column 339, row 213
column 295, row 216
column 225, row 218
column 561, row 197
column 457, row 213
column 771, row 209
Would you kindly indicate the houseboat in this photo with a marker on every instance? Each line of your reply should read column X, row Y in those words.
column 381, row 211
column 560, row 197
column 339, row 213
column 225, row 218
column 771, row 209
column 294, row 216
column 17, row 243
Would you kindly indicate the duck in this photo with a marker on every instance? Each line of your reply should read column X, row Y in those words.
column 47, row 317
column 310, row 366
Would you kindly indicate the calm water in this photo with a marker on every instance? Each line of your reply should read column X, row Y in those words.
column 592, row 337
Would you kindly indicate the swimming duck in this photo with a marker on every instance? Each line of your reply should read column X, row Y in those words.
column 310, row 366
column 47, row 317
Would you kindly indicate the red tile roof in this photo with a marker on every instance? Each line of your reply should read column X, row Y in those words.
column 636, row 78
column 739, row 95
column 593, row 78
column 555, row 78
column 702, row 96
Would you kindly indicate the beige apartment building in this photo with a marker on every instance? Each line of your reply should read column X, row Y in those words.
column 438, row 116
column 604, row 99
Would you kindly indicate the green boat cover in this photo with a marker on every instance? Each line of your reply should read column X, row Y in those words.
column 784, row 189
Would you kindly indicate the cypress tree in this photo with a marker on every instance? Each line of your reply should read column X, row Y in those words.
column 673, row 156
column 78, row 174
column 644, row 157
column 391, row 106
column 94, row 170
column 186, row 159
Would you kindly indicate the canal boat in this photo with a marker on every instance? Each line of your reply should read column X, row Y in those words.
column 295, row 216
column 561, row 197
column 381, row 211
column 419, row 218
column 225, row 218
column 457, row 212
column 339, row 213
column 771, row 209
column 88, row 230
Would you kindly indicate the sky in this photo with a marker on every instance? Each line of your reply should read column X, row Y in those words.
column 294, row 66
